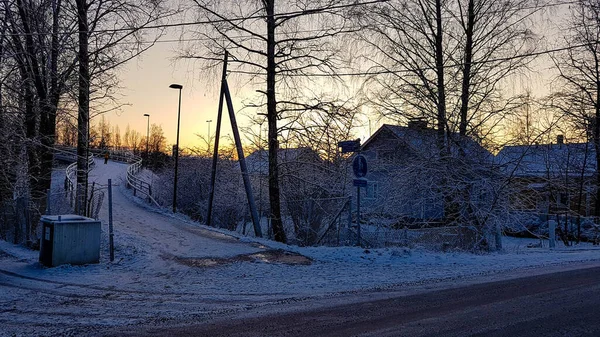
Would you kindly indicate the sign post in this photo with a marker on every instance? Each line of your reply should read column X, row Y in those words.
column 111, row 235
column 359, row 166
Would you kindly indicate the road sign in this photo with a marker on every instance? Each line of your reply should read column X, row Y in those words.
column 359, row 166
column 360, row 182
column 348, row 146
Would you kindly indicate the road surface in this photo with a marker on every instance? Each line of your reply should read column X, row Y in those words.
column 559, row 304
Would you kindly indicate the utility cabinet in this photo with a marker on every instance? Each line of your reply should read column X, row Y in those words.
column 69, row 239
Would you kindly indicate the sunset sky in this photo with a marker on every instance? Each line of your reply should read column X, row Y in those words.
column 145, row 82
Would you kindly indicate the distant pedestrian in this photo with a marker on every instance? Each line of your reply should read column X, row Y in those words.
column 105, row 157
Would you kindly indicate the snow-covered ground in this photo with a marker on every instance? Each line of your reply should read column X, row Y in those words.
column 169, row 268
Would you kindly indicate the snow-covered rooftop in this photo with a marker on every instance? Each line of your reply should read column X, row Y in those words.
column 424, row 141
column 548, row 159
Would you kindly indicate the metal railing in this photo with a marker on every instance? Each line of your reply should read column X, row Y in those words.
column 71, row 172
column 125, row 156
column 137, row 184
column 65, row 153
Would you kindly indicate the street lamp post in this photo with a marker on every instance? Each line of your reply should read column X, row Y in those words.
column 147, row 135
column 176, row 86
column 208, row 136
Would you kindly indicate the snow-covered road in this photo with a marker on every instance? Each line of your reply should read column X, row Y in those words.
column 153, row 233
column 169, row 268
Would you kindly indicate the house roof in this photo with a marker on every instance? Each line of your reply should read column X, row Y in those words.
column 424, row 141
column 547, row 159
column 258, row 161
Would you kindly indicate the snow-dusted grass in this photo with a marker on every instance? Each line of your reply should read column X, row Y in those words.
column 148, row 283
column 334, row 269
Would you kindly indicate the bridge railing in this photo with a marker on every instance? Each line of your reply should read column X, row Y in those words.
column 65, row 153
column 133, row 181
column 71, row 172
column 136, row 183
column 69, row 201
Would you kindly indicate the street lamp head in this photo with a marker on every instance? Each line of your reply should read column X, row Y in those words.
column 146, row 115
column 176, row 86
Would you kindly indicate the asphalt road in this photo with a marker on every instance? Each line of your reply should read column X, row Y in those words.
column 559, row 304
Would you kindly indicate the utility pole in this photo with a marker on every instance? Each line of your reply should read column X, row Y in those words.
column 213, row 172
column 225, row 94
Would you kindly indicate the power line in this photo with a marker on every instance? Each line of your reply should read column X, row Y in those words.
column 203, row 22
column 258, row 16
column 385, row 72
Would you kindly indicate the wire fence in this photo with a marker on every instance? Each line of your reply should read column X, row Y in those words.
column 316, row 221
column 70, row 202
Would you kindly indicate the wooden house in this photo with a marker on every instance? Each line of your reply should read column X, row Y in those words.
column 550, row 178
column 412, row 180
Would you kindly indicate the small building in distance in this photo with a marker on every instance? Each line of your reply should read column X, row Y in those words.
column 550, row 179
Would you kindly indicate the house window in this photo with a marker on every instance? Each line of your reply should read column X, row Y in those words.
column 372, row 190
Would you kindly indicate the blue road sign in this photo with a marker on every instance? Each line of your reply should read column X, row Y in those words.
column 359, row 166
column 360, row 182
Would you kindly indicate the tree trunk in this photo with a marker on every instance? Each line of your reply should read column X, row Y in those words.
column 31, row 77
column 439, row 63
column 466, row 80
column 464, row 196
column 274, row 194
column 450, row 205
column 597, row 148
column 596, row 135
column 84, row 105
column 49, row 106
column 580, row 192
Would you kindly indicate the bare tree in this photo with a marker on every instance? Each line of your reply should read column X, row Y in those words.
column 117, row 142
column 38, row 49
column 579, row 76
column 157, row 141
column 491, row 34
column 279, row 45
column 110, row 48
column 132, row 139
column 445, row 62
column 409, row 54
column 66, row 130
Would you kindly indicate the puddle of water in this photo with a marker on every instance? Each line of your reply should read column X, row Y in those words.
column 281, row 256
column 268, row 256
